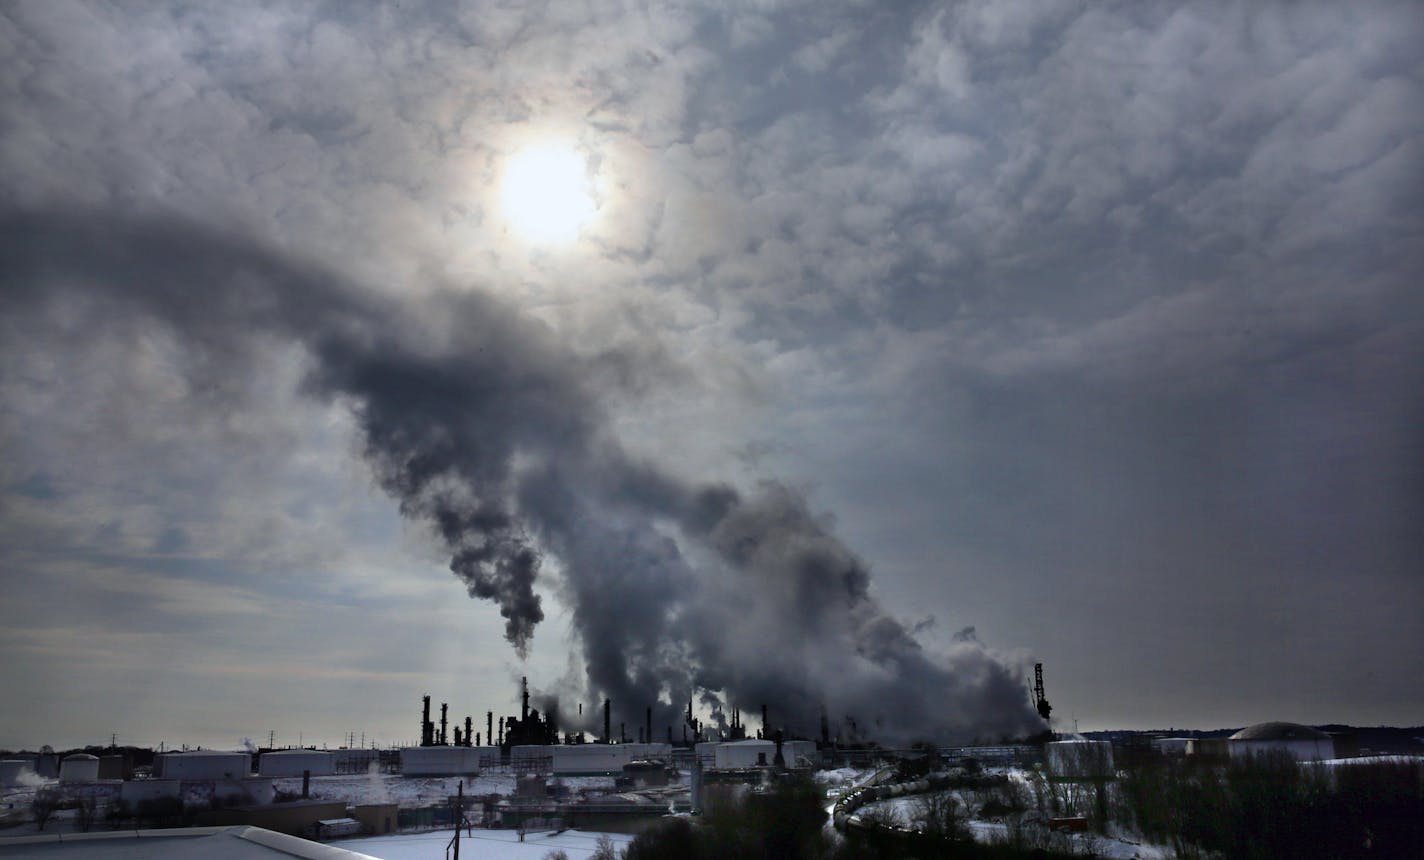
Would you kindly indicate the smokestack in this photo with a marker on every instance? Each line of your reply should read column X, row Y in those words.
column 459, row 742
column 524, row 712
column 607, row 721
column 648, row 735
column 425, row 739
column 501, row 731
column 443, row 708
column 469, row 724
column 489, row 727
column 477, row 739
column 765, row 726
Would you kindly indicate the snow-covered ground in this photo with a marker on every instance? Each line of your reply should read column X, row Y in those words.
column 485, row 844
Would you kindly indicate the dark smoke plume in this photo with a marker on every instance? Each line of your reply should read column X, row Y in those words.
column 481, row 425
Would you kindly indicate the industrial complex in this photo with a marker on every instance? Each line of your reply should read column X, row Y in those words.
column 521, row 771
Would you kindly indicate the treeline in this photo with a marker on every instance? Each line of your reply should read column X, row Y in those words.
column 788, row 821
column 1265, row 806
column 1271, row 805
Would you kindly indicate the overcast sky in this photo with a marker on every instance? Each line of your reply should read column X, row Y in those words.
column 1096, row 328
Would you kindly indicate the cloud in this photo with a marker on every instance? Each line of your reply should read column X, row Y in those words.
column 991, row 280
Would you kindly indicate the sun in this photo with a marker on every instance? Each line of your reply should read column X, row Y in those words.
column 545, row 193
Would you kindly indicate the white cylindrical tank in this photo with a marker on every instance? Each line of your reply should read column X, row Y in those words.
column 12, row 772
column 80, row 767
column 204, row 764
column 648, row 750
column 286, row 763
column 439, row 761
column 589, row 759
column 1302, row 743
column 706, row 752
column 743, row 754
column 530, row 758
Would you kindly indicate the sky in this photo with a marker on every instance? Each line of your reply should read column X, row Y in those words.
column 894, row 348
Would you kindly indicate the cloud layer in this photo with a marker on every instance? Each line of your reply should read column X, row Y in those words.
column 1066, row 311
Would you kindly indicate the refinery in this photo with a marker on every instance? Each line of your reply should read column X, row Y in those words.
column 520, row 773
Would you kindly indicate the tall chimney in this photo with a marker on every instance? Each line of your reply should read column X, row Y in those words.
column 469, row 725
column 524, row 687
column 501, row 731
column 443, row 723
column 765, row 726
column 489, row 727
column 425, row 739
column 607, row 721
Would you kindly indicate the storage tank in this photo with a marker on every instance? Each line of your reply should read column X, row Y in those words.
column 530, row 758
column 115, row 767
column 648, row 751
column 203, row 764
column 1300, row 742
column 590, row 759
column 439, row 761
column 12, row 772
column 706, row 752
column 735, row 755
column 80, row 767
column 288, row 763
column 489, row 756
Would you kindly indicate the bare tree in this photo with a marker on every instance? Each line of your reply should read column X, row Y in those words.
column 937, row 814
column 85, row 809
column 45, row 802
column 604, row 849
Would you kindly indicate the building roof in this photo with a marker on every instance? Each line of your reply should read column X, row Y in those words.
column 217, row 843
column 1279, row 731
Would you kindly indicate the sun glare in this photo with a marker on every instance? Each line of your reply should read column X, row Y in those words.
column 545, row 193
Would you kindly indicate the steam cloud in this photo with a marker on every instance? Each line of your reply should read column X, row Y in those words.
column 480, row 424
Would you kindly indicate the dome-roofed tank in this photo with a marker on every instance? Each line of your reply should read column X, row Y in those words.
column 1279, row 731
column 1300, row 742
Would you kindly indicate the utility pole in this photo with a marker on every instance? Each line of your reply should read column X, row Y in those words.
column 459, row 820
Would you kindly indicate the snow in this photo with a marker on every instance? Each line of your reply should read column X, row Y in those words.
column 485, row 844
